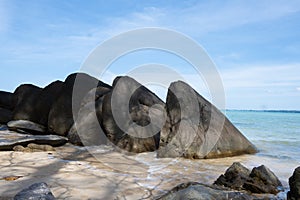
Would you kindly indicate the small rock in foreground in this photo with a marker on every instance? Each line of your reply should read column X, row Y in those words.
column 34, row 148
column 197, row 191
column 261, row 179
column 235, row 176
column 39, row 191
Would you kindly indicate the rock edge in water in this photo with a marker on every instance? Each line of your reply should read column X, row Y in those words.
column 260, row 180
column 294, row 182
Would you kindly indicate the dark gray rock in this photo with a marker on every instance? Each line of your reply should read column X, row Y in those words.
column 197, row 129
column 197, row 191
column 235, row 177
column 294, row 182
column 61, row 114
column 7, row 100
column 37, row 191
column 5, row 115
column 263, row 180
column 45, row 100
column 34, row 103
column 87, row 130
column 132, row 116
column 9, row 139
column 25, row 126
column 25, row 97
column 260, row 180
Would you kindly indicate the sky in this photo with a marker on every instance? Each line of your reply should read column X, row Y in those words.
column 255, row 45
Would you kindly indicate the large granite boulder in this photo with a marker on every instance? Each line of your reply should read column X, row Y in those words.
column 87, row 130
column 197, row 129
column 294, row 182
column 235, row 177
column 33, row 103
column 197, row 191
column 132, row 116
column 25, row 97
column 37, row 191
column 7, row 100
column 61, row 114
column 5, row 115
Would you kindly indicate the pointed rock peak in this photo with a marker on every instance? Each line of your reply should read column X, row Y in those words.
column 197, row 129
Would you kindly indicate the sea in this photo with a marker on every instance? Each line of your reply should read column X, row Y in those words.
column 276, row 134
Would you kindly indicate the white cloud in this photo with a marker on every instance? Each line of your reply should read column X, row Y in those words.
column 270, row 77
column 298, row 89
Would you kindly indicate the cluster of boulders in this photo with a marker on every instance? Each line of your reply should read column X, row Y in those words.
column 238, row 182
column 126, row 114
column 260, row 180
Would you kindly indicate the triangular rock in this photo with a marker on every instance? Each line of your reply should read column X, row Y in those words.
column 197, row 129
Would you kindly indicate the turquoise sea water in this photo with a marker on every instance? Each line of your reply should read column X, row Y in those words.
column 275, row 133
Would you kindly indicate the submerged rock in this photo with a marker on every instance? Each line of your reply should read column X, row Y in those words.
column 132, row 116
column 37, row 191
column 197, row 129
column 294, row 182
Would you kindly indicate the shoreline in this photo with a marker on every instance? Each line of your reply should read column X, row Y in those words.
column 72, row 172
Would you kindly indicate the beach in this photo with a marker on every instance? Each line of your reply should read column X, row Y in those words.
column 102, row 173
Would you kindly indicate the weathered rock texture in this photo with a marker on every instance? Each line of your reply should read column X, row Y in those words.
column 235, row 176
column 87, row 129
column 132, row 116
column 197, row 129
column 67, row 104
column 260, row 180
column 263, row 180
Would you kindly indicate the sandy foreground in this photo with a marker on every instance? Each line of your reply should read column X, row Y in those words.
column 102, row 173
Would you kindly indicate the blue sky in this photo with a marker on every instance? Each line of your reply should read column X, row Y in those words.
column 254, row 44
